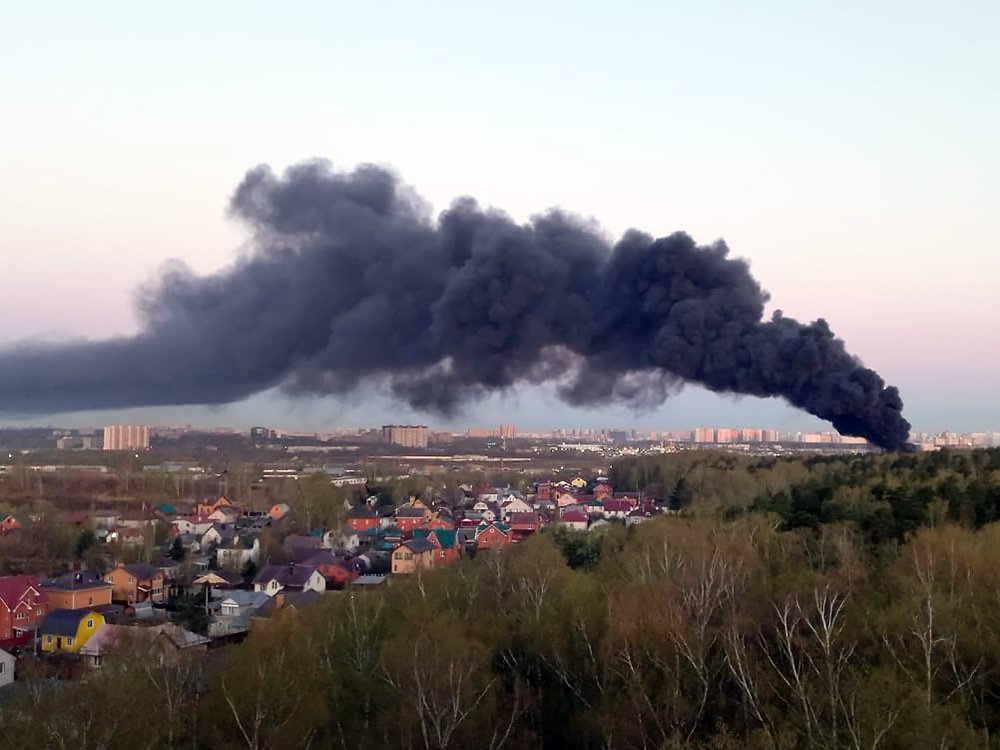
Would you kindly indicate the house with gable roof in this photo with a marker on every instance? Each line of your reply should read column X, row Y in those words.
column 492, row 536
column 575, row 520
column 274, row 578
column 23, row 606
column 67, row 630
column 138, row 582
column 413, row 555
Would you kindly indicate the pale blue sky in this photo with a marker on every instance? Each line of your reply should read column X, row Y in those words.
column 849, row 150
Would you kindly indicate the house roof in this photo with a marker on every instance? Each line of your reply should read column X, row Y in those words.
column 369, row 579
column 574, row 517
column 418, row 545
column 409, row 512
column 446, row 537
column 142, row 570
column 617, row 505
column 64, row 621
column 166, row 509
column 360, row 511
column 12, row 588
column 75, row 582
column 524, row 519
column 300, row 541
column 286, row 575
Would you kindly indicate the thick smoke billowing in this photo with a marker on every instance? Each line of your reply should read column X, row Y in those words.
column 351, row 281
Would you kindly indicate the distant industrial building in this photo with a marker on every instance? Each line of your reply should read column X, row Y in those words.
column 126, row 437
column 405, row 435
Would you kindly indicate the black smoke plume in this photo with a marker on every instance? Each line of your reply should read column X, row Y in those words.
column 349, row 280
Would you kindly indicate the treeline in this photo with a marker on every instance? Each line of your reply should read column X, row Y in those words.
column 723, row 630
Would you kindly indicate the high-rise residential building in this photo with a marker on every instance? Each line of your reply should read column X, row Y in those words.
column 507, row 431
column 703, row 435
column 126, row 437
column 750, row 435
column 405, row 435
column 726, row 435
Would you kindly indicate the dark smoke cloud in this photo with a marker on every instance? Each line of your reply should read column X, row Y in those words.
column 350, row 281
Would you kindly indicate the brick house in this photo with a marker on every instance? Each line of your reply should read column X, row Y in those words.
column 413, row 555
column 139, row 582
column 23, row 606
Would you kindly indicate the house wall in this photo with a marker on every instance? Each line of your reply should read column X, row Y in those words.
column 7, row 665
column 80, row 598
column 88, row 626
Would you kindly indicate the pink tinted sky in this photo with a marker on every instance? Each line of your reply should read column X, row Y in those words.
column 859, row 178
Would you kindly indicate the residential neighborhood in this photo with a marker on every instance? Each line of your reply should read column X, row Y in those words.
column 202, row 572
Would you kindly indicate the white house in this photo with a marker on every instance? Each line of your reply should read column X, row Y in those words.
column 574, row 520
column 7, row 662
column 516, row 505
column 275, row 578
column 239, row 551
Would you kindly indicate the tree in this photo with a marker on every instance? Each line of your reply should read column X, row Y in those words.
column 177, row 550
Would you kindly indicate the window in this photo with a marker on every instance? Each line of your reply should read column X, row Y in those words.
column 21, row 616
column 48, row 639
column 69, row 640
column 90, row 624
column 131, row 579
column 90, row 600
column 2, row 667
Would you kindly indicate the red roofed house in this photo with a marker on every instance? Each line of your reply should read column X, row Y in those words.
column 443, row 523
column 617, row 508
column 574, row 519
column 523, row 525
column 23, row 606
column 409, row 518
column 9, row 524
column 362, row 518
column 602, row 490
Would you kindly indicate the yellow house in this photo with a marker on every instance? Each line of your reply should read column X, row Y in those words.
column 66, row 630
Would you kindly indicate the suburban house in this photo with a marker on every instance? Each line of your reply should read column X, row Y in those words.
column 67, row 630
column 413, row 555
column 492, row 536
column 224, row 514
column 362, row 518
column 216, row 534
column 138, row 582
column 167, row 641
column 23, row 604
column 232, row 613
column 77, row 591
column 243, row 548
column 207, row 507
column 446, row 549
column 617, row 508
column 274, row 578
column 278, row 511
column 523, row 525
column 10, row 523
column 516, row 505
column 409, row 518
column 575, row 520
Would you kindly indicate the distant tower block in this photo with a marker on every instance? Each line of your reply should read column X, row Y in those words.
column 405, row 435
column 126, row 437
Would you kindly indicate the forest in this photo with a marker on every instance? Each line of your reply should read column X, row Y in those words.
column 823, row 602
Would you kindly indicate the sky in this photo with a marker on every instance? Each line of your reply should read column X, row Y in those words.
column 849, row 152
